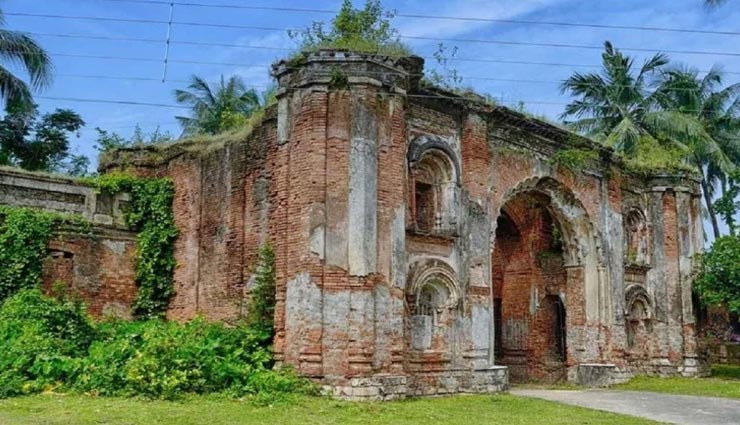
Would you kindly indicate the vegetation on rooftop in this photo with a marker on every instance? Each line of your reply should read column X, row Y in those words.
column 366, row 30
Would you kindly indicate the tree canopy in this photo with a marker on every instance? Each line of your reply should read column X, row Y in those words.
column 719, row 280
column 40, row 143
column 216, row 109
column 660, row 116
column 17, row 48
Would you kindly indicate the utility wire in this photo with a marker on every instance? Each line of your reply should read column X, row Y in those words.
column 455, row 40
column 244, row 46
column 441, row 17
column 158, row 80
column 109, row 101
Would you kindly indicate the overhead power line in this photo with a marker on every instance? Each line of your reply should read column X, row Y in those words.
column 442, row 17
column 165, row 105
column 454, row 40
column 159, row 80
column 266, row 66
column 414, row 96
column 110, row 101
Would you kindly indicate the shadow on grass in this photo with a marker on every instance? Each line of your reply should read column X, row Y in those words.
column 723, row 371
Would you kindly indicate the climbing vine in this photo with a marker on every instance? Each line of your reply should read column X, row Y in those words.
column 150, row 214
column 24, row 234
column 261, row 311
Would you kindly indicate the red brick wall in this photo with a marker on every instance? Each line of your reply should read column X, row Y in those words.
column 522, row 262
column 98, row 269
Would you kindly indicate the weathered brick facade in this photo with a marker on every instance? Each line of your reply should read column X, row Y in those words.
column 94, row 262
column 426, row 243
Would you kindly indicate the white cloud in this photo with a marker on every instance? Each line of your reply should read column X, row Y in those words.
column 506, row 9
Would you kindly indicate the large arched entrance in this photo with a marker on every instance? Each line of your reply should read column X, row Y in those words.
column 536, row 243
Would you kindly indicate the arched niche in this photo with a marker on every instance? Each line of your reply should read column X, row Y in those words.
column 433, row 287
column 433, row 296
column 434, row 175
column 636, row 238
column 639, row 314
column 639, row 303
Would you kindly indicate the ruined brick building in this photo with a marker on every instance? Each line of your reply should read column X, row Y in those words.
column 426, row 242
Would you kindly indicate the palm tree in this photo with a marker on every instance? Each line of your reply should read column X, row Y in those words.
column 618, row 107
column 20, row 49
column 714, row 3
column 216, row 109
column 718, row 110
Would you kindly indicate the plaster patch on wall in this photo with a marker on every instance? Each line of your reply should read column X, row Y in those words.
column 317, row 241
column 303, row 306
column 116, row 246
column 362, row 233
column 398, row 248
column 478, row 276
column 481, row 326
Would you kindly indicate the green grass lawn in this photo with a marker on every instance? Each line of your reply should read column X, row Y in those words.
column 463, row 410
column 724, row 382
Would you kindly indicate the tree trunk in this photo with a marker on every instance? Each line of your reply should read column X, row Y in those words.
column 710, row 206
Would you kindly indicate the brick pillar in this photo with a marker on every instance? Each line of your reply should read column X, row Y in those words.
column 339, row 313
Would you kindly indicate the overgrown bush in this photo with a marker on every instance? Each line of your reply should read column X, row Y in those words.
column 362, row 30
column 43, row 341
column 156, row 358
column 50, row 343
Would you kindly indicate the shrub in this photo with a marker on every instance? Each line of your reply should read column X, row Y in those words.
column 50, row 342
column 363, row 30
column 163, row 359
column 43, row 338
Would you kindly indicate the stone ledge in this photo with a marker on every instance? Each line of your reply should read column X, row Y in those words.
column 595, row 374
column 490, row 379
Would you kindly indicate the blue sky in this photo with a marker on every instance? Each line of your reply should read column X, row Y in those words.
column 251, row 64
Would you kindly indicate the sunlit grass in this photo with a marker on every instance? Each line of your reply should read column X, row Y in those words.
column 467, row 410
column 724, row 382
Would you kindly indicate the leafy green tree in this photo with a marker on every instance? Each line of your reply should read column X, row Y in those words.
column 39, row 143
column 17, row 48
column 618, row 107
column 719, row 280
column 716, row 152
column 216, row 109
column 363, row 30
